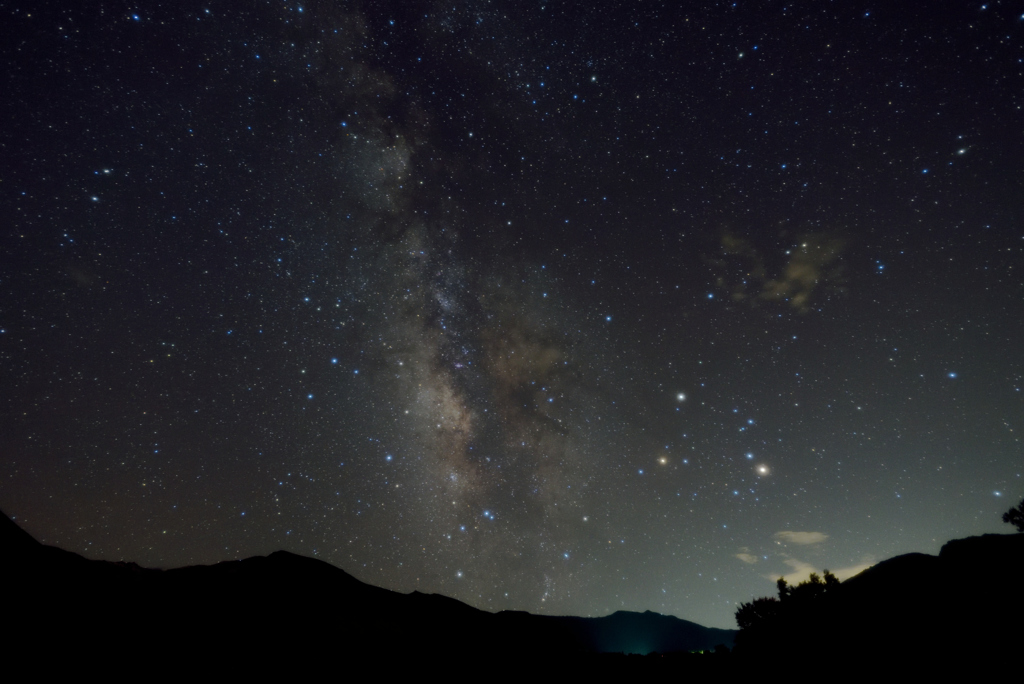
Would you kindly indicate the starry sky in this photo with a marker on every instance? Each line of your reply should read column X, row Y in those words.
column 553, row 306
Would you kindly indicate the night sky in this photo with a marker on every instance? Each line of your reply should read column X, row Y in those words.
column 555, row 306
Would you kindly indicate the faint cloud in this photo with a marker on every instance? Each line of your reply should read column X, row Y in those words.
column 846, row 573
column 747, row 557
column 809, row 265
column 801, row 538
column 800, row 571
column 810, row 262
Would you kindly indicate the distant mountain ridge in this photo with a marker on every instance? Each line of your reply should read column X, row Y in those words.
column 286, row 601
column 915, row 609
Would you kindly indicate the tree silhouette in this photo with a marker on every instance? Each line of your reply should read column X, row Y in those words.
column 809, row 590
column 770, row 614
column 758, row 612
column 1015, row 516
column 767, row 624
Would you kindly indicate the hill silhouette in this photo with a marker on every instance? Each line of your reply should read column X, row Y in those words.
column 286, row 603
column 966, row 604
column 284, row 609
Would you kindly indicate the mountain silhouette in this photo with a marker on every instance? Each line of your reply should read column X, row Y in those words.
column 286, row 603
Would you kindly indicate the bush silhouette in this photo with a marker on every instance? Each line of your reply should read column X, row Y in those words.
column 765, row 623
column 757, row 612
column 1015, row 516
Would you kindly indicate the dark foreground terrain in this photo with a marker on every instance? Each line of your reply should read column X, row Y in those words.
column 285, row 607
column 962, row 608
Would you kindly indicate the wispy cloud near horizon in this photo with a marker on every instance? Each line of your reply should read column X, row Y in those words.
column 801, row 538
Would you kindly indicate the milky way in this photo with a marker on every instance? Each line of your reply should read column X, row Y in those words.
column 559, row 308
